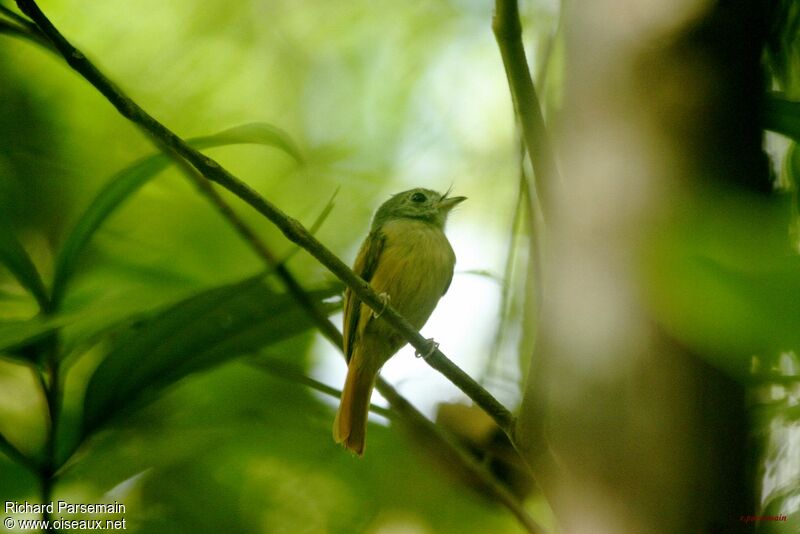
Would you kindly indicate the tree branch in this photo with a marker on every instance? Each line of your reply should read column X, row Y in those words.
column 19, row 19
column 291, row 228
column 19, row 26
column 508, row 33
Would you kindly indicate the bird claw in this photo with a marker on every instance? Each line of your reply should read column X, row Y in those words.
column 384, row 297
column 431, row 349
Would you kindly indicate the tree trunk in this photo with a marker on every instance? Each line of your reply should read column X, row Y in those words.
column 628, row 429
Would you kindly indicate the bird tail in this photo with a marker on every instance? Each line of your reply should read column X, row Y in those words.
column 350, row 425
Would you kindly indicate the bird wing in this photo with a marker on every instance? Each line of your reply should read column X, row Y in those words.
column 365, row 265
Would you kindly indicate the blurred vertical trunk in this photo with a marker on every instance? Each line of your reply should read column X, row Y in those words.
column 641, row 434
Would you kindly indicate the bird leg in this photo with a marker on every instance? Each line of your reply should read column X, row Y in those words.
column 384, row 297
column 428, row 353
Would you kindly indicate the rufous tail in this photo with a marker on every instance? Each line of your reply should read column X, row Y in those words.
column 350, row 425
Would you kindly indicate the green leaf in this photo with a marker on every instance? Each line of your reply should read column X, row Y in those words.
column 256, row 133
column 126, row 182
column 198, row 332
column 14, row 257
column 15, row 335
column 782, row 116
column 724, row 281
column 315, row 226
column 781, row 50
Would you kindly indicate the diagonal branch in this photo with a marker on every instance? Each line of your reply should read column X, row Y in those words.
column 292, row 229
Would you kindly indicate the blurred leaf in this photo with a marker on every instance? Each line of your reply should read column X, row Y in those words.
column 17, row 481
column 782, row 115
column 315, row 226
column 791, row 165
column 750, row 312
column 782, row 44
column 725, row 281
column 256, row 133
column 78, row 328
column 131, row 179
column 102, row 318
column 198, row 332
column 511, row 287
column 17, row 261
column 14, row 335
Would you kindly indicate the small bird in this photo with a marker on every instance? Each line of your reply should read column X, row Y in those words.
column 407, row 259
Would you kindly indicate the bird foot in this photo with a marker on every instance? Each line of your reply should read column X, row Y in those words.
column 384, row 297
column 429, row 352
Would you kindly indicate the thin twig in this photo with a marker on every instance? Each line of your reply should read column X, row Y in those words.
column 508, row 269
column 282, row 370
column 543, row 69
column 19, row 26
column 508, row 33
column 411, row 414
column 328, row 329
column 291, row 228
column 19, row 19
column 49, row 378
column 13, row 29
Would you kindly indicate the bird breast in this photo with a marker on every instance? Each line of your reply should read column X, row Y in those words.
column 415, row 268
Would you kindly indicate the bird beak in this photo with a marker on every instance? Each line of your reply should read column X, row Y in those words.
column 448, row 203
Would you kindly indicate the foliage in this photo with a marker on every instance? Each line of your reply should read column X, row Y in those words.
column 132, row 297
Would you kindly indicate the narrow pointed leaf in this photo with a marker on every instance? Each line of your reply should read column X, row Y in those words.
column 782, row 116
column 14, row 257
column 199, row 332
column 15, row 335
column 315, row 226
column 128, row 181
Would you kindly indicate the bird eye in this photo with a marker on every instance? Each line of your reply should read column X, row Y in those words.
column 418, row 197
